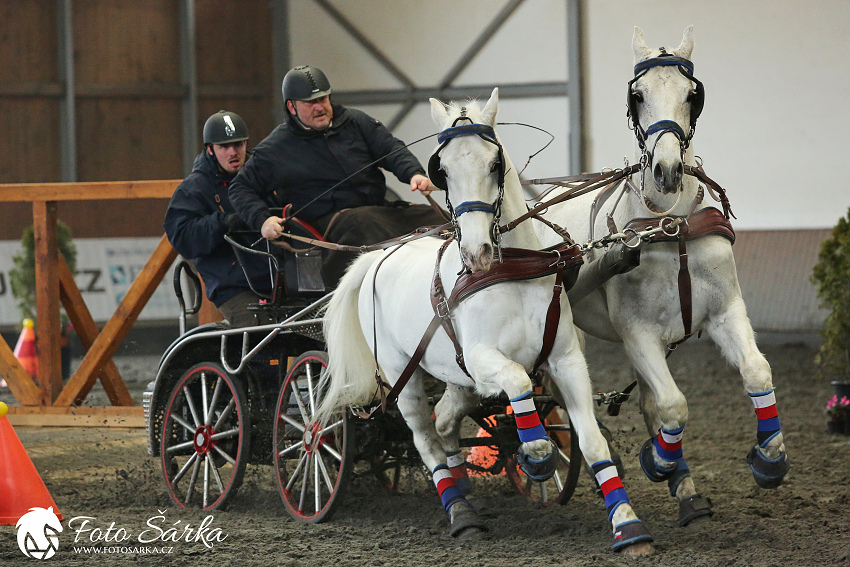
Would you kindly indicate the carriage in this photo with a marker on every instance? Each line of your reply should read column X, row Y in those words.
column 224, row 398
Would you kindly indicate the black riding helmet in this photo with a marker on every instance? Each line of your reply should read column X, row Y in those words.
column 305, row 83
column 225, row 127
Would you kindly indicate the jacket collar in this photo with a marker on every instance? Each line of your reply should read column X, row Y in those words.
column 341, row 116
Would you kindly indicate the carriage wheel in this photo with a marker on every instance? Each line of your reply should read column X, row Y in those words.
column 205, row 438
column 312, row 461
column 560, row 488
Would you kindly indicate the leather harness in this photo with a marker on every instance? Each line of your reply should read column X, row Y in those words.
column 705, row 222
column 517, row 264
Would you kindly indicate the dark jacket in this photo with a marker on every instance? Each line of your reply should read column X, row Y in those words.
column 301, row 164
column 195, row 225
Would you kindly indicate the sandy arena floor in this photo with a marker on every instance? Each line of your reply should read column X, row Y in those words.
column 106, row 475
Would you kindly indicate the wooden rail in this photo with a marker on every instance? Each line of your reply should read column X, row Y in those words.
column 55, row 285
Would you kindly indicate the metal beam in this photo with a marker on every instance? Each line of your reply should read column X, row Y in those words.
column 281, row 54
column 463, row 62
column 575, row 87
column 385, row 96
column 366, row 43
column 482, row 39
column 67, row 108
column 189, row 79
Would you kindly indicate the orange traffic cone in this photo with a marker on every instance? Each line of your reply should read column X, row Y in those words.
column 25, row 350
column 21, row 487
column 483, row 456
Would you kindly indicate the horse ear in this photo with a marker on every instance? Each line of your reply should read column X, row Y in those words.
column 642, row 51
column 687, row 46
column 488, row 115
column 438, row 112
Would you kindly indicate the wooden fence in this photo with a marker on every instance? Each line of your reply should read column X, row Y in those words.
column 48, row 402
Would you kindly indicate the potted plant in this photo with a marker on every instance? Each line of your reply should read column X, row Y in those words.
column 831, row 277
column 22, row 280
column 838, row 415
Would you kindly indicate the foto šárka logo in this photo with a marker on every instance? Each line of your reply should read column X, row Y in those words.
column 38, row 533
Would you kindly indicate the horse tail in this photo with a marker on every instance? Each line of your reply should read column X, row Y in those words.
column 350, row 376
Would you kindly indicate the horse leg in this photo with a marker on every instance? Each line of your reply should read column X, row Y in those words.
column 732, row 332
column 455, row 404
column 665, row 413
column 413, row 404
column 537, row 454
column 569, row 372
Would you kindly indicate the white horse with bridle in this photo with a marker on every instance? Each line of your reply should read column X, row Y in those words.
column 384, row 303
column 686, row 281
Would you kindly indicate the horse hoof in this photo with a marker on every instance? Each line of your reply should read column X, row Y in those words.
column 652, row 471
column 767, row 473
column 539, row 469
column 632, row 538
column 694, row 507
column 641, row 549
column 465, row 522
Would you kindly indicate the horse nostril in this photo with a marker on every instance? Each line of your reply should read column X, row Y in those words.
column 658, row 174
column 486, row 252
column 680, row 172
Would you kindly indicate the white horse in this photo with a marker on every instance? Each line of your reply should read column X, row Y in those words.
column 642, row 308
column 500, row 328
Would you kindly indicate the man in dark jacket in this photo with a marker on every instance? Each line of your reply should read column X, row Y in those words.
column 200, row 214
column 318, row 162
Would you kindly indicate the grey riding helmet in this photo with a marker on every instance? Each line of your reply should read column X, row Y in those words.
column 305, row 83
column 225, row 127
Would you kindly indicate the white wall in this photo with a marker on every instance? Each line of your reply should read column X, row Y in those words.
column 777, row 111
column 425, row 40
column 776, row 73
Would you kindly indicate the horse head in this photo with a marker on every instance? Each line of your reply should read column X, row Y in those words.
column 664, row 102
column 469, row 165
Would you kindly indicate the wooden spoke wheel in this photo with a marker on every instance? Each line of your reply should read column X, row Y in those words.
column 205, row 438
column 312, row 460
column 560, row 488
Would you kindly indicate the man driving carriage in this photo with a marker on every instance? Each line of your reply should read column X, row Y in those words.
column 319, row 163
column 200, row 214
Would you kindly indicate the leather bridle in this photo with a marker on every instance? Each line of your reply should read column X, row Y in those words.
column 686, row 68
column 438, row 176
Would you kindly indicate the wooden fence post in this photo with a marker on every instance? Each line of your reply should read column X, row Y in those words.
column 47, row 300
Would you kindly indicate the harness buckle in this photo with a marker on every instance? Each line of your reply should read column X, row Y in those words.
column 442, row 309
column 559, row 262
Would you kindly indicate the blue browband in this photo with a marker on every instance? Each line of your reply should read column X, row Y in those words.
column 664, row 60
column 466, row 130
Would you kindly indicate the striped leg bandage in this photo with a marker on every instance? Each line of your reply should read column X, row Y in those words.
column 457, row 465
column 528, row 423
column 446, row 486
column 611, row 485
column 668, row 444
column 767, row 414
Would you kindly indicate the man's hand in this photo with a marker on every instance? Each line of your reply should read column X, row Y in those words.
column 421, row 183
column 272, row 228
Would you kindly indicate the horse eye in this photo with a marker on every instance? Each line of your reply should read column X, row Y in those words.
column 692, row 95
column 637, row 97
column 494, row 166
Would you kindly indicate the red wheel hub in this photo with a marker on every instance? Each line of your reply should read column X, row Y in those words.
column 312, row 439
column 203, row 440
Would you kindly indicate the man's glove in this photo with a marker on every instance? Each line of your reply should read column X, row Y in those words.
column 233, row 222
